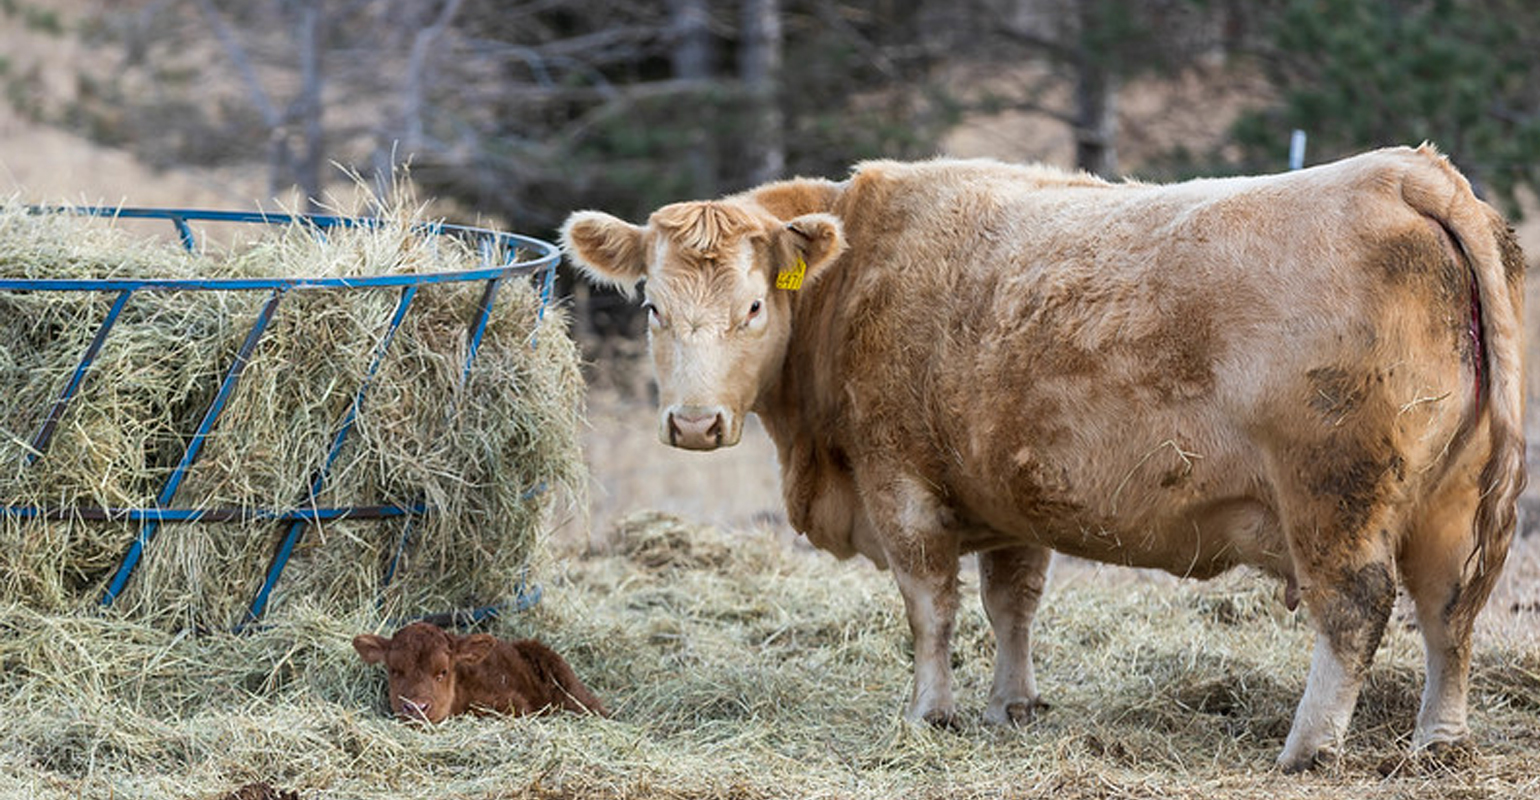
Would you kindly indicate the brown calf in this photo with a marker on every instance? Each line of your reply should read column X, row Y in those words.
column 434, row 675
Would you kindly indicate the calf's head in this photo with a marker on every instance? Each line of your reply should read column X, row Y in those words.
column 719, row 276
column 420, row 665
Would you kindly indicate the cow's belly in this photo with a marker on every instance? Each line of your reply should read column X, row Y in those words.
column 1192, row 505
column 1199, row 542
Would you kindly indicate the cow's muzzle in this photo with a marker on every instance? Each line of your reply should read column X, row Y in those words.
column 412, row 711
column 695, row 428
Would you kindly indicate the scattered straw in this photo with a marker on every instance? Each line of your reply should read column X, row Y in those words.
column 771, row 672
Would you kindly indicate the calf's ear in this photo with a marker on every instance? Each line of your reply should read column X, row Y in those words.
column 816, row 239
column 472, row 649
column 371, row 648
column 607, row 250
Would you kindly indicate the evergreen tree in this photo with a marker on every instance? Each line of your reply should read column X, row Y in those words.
column 1357, row 74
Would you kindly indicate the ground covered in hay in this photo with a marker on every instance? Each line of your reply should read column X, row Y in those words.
column 740, row 667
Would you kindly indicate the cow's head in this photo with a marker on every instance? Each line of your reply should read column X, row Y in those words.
column 718, row 323
column 420, row 666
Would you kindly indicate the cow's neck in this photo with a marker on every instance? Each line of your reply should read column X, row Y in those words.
column 798, row 399
column 793, row 404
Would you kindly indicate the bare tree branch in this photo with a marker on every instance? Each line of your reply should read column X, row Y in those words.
column 238, row 58
column 412, row 102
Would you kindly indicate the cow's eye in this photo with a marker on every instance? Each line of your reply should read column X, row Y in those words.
column 442, row 674
column 653, row 317
column 754, row 308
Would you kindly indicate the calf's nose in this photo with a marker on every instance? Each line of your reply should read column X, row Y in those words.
column 412, row 709
column 695, row 430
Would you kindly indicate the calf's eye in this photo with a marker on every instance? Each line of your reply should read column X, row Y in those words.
column 754, row 308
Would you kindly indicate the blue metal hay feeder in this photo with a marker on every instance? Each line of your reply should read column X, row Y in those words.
column 503, row 257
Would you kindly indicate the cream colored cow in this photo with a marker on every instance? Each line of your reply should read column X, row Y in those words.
column 1315, row 373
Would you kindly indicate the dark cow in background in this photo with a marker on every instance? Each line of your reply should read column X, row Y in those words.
column 1316, row 373
column 434, row 675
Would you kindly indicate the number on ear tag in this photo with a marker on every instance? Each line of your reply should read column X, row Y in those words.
column 791, row 278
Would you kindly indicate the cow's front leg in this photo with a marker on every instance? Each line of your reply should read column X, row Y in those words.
column 930, row 598
column 923, row 556
column 1011, row 581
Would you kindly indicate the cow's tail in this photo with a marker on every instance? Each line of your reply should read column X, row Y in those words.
column 1497, row 267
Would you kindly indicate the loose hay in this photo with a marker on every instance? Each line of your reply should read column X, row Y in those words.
column 770, row 673
column 490, row 454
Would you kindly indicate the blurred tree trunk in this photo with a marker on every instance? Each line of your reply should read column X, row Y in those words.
column 1093, row 47
column 1096, row 122
column 759, row 67
column 307, row 107
column 1096, row 91
column 414, row 91
column 691, row 59
column 285, row 168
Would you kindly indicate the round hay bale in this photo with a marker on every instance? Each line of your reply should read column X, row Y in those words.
column 488, row 450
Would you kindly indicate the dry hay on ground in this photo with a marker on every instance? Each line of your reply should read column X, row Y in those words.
column 489, row 454
column 771, row 672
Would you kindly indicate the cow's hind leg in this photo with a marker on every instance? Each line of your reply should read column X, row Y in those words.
column 1350, row 618
column 1342, row 558
column 1439, row 572
column 1011, row 582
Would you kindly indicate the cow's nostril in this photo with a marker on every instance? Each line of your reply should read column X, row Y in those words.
column 696, row 431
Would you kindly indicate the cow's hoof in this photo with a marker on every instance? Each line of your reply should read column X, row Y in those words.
column 943, row 719
column 1305, row 762
column 1016, row 713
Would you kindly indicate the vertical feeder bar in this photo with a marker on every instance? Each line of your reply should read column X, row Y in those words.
column 45, row 434
column 547, row 286
column 473, row 343
column 296, row 529
column 194, row 446
column 184, row 231
column 479, row 327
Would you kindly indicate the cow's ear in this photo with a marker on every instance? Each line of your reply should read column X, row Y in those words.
column 606, row 249
column 371, row 648
column 472, row 649
column 815, row 241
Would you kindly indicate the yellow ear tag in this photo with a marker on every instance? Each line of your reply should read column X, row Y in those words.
column 792, row 278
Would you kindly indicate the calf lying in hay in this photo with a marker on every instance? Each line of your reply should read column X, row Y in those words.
column 1317, row 374
column 435, row 675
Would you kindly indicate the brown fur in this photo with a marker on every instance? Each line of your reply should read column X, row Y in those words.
column 1275, row 371
column 434, row 674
